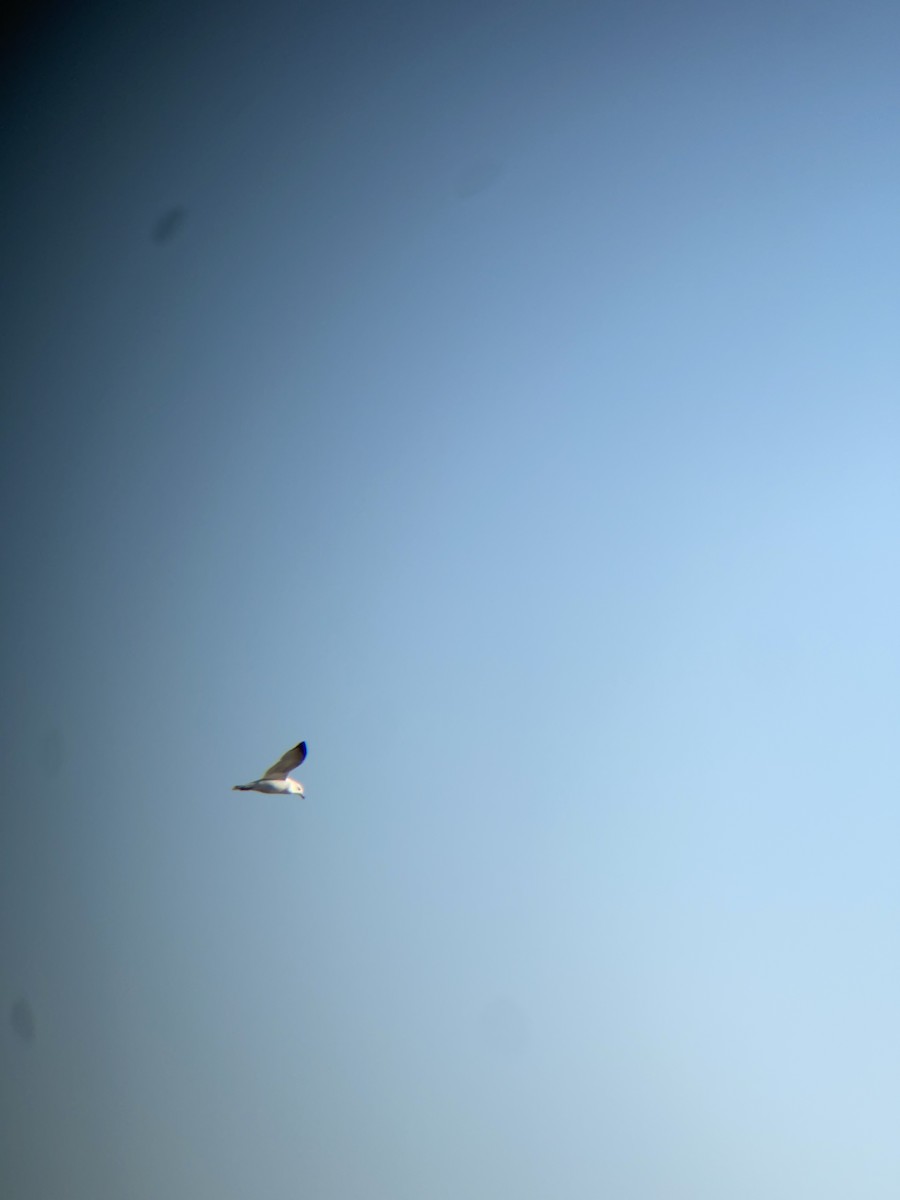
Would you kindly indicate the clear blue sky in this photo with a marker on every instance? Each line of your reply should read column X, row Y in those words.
column 510, row 409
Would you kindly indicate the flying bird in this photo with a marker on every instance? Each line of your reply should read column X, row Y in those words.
column 276, row 778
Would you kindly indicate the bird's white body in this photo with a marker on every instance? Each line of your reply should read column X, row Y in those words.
column 283, row 787
column 276, row 779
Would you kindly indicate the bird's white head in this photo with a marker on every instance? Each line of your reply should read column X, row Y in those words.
column 296, row 788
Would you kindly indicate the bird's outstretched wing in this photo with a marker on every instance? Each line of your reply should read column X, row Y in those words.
column 287, row 763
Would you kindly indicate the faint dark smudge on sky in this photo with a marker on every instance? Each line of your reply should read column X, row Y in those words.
column 169, row 224
column 21, row 1018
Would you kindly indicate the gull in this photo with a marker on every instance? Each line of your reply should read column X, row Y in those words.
column 276, row 778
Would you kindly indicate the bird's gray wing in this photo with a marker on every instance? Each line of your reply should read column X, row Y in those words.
column 287, row 763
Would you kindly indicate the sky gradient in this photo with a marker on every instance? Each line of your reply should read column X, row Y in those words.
column 503, row 398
